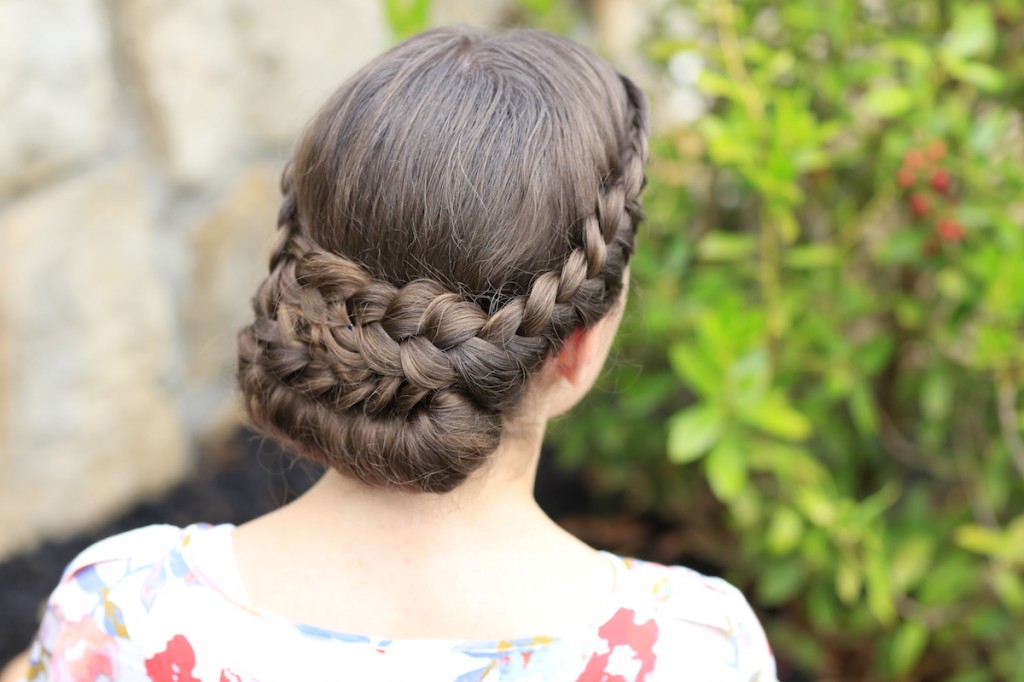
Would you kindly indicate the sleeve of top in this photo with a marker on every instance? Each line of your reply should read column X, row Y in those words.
column 756, row 657
column 82, row 635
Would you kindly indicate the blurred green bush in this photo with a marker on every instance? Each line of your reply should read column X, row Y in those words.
column 828, row 328
column 826, row 333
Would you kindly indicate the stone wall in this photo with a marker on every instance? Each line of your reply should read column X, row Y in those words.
column 140, row 147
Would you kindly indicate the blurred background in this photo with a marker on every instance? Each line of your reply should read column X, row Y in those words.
column 817, row 390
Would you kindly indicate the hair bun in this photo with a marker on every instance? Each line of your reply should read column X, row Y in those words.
column 398, row 325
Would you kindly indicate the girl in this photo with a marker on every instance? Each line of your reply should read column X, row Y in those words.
column 450, row 270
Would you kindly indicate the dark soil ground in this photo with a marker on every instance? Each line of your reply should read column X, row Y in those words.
column 251, row 477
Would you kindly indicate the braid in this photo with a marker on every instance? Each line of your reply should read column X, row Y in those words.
column 406, row 385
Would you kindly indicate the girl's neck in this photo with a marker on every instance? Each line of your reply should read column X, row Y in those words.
column 354, row 558
column 497, row 499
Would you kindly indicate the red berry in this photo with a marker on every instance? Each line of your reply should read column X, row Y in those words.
column 913, row 159
column 906, row 177
column 950, row 230
column 936, row 150
column 941, row 180
column 919, row 203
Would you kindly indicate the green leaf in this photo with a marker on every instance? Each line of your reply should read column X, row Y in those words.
column 872, row 506
column 792, row 464
column 879, row 590
column 692, row 432
column 749, row 379
column 648, row 393
column 775, row 416
column 911, row 561
column 903, row 246
column 907, row 645
column 778, row 583
column 785, row 531
column 726, row 468
column 786, row 223
column 888, row 101
column 987, row 130
column 912, row 52
column 973, row 33
column 1007, row 545
column 983, row 76
column 822, row 606
column 407, row 17
column 724, row 246
column 937, row 395
column 862, row 409
column 717, row 85
column 989, row 622
column 952, row 284
column 540, row 7
column 810, row 256
column 696, row 369
column 819, row 508
column 1015, row 533
column 1009, row 586
column 981, row 540
column 728, row 142
column 949, row 582
column 848, row 583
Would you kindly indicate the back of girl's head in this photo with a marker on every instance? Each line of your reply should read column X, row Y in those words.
column 454, row 212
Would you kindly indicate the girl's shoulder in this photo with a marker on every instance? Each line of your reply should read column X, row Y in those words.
column 701, row 618
column 144, row 545
column 681, row 592
column 89, row 629
column 138, row 566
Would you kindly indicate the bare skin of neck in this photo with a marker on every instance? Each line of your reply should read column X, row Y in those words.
column 481, row 562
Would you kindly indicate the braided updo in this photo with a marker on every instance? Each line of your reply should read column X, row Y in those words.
column 454, row 212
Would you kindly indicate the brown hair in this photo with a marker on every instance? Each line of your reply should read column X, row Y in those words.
column 451, row 215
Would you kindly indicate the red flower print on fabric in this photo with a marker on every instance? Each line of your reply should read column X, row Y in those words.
column 623, row 631
column 173, row 664
column 83, row 652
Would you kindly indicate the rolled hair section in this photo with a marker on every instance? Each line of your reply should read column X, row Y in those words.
column 453, row 213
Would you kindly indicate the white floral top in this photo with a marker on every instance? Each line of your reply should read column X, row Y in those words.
column 166, row 604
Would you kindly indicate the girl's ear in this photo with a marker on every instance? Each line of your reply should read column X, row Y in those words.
column 577, row 352
column 572, row 371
